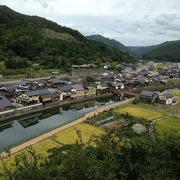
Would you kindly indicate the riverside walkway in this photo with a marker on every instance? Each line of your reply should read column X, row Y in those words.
column 55, row 131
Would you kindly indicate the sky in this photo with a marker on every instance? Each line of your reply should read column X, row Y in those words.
column 132, row 22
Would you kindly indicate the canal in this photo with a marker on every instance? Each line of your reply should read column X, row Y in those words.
column 19, row 130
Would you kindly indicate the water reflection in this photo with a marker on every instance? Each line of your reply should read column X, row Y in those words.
column 29, row 120
column 6, row 125
column 27, row 127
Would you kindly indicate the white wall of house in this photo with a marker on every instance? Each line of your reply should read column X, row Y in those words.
column 100, row 87
column 169, row 101
column 61, row 97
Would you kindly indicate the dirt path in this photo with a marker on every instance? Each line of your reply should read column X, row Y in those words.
column 55, row 131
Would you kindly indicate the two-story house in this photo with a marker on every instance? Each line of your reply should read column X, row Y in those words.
column 34, row 96
column 77, row 91
column 149, row 96
column 166, row 98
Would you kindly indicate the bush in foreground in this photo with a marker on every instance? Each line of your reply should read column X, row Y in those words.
column 109, row 156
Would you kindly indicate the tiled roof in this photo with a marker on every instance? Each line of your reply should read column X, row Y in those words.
column 4, row 102
column 147, row 93
column 38, row 92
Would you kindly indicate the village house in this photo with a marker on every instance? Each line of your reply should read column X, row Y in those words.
column 9, row 88
column 5, row 104
column 65, row 90
column 166, row 98
column 57, row 82
column 90, row 91
column 24, row 84
column 55, row 94
column 117, row 86
column 140, row 81
column 107, row 77
column 77, row 91
column 102, row 86
column 149, row 96
column 9, row 91
column 54, row 82
column 34, row 96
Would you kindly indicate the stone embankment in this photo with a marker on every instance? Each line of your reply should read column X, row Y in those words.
column 15, row 113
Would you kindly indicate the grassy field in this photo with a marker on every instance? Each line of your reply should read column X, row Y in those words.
column 140, row 112
column 176, row 93
column 68, row 136
column 29, row 72
column 168, row 116
column 167, row 124
column 177, row 98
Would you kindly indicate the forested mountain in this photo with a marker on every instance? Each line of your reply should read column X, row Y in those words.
column 141, row 50
column 26, row 39
column 167, row 51
column 110, row 42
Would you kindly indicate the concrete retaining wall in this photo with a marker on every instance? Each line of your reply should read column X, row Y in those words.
column 14, row 113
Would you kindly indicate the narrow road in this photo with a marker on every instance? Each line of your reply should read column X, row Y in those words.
column 15, row 81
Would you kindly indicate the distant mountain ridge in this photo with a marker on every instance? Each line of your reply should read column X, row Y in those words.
column 108, row 41
column 167, row 51
column 141, row 50
column 25, row 39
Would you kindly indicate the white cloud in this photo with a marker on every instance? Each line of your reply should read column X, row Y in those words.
column 133, row 22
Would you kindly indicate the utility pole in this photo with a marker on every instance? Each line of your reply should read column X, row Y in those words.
column 78, row 131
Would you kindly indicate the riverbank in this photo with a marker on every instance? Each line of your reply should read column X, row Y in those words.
column 75, row 122
column 16, row 113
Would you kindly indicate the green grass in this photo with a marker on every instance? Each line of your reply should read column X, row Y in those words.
column 41, row 147
column 68, row 136
column 176, row 93
column 140, row 112
column 168, row 124
column 29, row 72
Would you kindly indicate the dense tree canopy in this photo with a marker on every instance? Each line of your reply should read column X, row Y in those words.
column 36, row 39
column 169, row 51
column 119, row 154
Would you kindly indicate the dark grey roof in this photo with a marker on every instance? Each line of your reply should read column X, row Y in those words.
column 78, row 87
column 24, row 82
column 104, row 84
column 9, row 87
column 148, row 93
column 4, row 102
column 55, row 81
column 65, row 88
column 168, row 95
column 38, row 92
column 141, row 80
column 55, row 95
column 119, row 84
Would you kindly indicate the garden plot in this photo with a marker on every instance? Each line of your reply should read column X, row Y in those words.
column 140, row 112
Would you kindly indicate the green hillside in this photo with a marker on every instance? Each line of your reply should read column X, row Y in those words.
column 141, row 50
column 31, row 39
column 107, row 41
column 168, row 51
